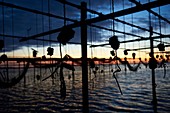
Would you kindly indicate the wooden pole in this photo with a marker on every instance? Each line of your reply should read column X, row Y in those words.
column 154, row 101
column 84, row 58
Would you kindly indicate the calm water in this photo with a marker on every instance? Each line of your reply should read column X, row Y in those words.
column 104, row 95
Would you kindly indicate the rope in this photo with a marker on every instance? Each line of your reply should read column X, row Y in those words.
column 36, row 29
column 116, row 71
column 14, row 81
column 13, row 41
column 28, row 42
column 160, row 23
column 131, row 68
column 62, row 81
column 42, row 8
column 91, row 36
column 3, row 25
column 132, row 24
column 124, row 24
column 113, row 17
column 150, row 23
column 49, row 22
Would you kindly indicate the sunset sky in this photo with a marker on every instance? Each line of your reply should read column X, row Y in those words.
column 16, row 22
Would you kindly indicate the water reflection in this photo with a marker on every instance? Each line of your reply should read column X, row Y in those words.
column 104, row 95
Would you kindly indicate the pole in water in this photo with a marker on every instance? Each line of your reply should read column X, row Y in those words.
column 154, row 101
column 84, row 58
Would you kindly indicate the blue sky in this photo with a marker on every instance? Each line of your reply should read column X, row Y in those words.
column 23, row 24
